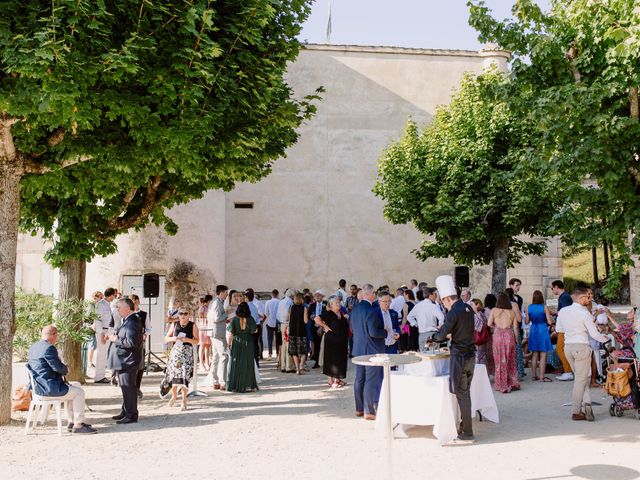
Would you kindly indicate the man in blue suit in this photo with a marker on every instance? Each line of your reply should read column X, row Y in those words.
column 389, row 318
column 47, row 371
column 368, row 339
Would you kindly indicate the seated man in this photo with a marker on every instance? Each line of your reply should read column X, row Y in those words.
column 47, row 371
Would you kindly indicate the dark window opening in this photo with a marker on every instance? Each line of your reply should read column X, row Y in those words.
column 243, row 205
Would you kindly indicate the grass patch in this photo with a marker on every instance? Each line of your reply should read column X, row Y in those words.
column 580, row 267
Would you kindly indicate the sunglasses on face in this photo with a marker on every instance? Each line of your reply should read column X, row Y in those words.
column 183, row 313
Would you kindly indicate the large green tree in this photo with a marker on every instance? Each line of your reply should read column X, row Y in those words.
column 581, row 61
column 112, row 111
column 467, row 181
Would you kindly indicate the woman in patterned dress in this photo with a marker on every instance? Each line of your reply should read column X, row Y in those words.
column 184, row 334
column 504, row 344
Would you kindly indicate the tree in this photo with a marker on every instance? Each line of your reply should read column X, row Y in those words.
column 581, row 61
column 468, row 180
column 112, row 112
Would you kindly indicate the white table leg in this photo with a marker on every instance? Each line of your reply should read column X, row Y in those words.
column 195, row 392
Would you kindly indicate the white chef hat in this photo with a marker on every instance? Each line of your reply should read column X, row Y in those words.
column 446, row 286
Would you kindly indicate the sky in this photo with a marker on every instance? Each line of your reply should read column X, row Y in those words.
column 399, row 23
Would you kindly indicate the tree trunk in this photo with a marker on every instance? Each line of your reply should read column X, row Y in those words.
column 607, row 267
column 71, row 285
column 10, row 174
column 499, row 268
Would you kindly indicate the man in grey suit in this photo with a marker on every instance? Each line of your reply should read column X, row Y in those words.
column 217, row 319
column 125, row 355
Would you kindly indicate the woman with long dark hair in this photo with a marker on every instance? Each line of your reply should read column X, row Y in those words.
column 405, row 328
column 242, row 375
column 539, row 316
column 504, row 344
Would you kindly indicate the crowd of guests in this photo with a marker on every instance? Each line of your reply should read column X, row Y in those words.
column 304, row 331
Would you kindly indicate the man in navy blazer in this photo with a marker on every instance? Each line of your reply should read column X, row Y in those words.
column 368, row 339
column 389, row 318
column 47, row 371
column 125, row 355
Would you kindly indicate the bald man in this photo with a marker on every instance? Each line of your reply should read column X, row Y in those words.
column 47, row 370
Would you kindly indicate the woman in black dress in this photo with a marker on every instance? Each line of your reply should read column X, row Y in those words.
column 296, row 330
column 336, row 338
column 405, row 328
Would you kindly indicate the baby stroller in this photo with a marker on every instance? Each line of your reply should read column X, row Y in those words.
column 622, row 375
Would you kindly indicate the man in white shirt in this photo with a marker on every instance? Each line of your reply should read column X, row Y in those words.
column 398, row 302
column 342, row 292
column 576, row 322
column 101, row 327
column 217, row 319
column 271, row 310
column 414, row 286
column 426, row 316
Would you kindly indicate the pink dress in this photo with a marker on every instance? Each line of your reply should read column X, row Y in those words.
column 504, row 356
column 202, row 321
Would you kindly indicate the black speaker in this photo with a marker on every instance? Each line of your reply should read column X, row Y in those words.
column 462, row 276
column 151, row 285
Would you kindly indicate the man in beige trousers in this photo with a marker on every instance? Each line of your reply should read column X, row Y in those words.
column 576, row 322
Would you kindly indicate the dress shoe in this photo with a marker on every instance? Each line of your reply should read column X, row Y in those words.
column 216, row 386
column 84, row 429
column 223, row 387
column 369, row 416
column 126, row 420
column 140, row 394
column 316, row 366
column 588, row 412
column 578, row 416
column 70, row 426
column 119, row 416
column 103, row 380
column 462, row 440
column 359, row 414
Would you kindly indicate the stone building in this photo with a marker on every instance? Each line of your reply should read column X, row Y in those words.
column 315, row 220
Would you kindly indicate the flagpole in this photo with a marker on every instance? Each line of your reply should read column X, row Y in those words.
column 329, row 25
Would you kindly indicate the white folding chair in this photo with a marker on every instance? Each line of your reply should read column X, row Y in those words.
column 42, row 404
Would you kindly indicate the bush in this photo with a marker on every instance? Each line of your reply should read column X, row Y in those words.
column 73, row 318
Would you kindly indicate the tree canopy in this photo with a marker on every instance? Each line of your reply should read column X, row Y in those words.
column 157, row 102
column 113, row 111
column 469, row 180
column 581, row 61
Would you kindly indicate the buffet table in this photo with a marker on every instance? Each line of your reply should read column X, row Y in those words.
column 420, row 396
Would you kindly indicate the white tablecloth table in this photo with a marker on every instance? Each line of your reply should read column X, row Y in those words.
column 424, row 400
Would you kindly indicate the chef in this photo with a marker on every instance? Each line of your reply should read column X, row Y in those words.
column 459, row 323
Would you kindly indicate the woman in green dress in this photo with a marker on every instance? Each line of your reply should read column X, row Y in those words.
column 242, row 375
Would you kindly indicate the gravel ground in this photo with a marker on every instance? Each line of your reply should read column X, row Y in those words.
column 297, row 428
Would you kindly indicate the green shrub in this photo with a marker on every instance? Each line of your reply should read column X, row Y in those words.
column 73, row 318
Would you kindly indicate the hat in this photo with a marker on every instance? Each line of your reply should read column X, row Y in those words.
column 319, row 292
column 446, row 286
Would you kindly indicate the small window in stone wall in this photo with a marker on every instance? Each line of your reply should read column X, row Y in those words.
column 243, row 205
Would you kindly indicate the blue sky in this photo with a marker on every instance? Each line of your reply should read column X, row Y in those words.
column 400, row 23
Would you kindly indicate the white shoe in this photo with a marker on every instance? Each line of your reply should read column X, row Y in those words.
column 565, row 377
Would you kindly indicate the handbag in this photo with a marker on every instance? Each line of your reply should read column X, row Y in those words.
column 617, row 384
column 21, row 399
column 481, row 337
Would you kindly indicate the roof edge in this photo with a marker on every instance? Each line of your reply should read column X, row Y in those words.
column 396, row 50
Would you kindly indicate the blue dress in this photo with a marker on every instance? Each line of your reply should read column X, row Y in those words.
column 539, row 340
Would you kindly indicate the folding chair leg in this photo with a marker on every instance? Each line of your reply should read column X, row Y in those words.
column 30, row 416
column 59, row 417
